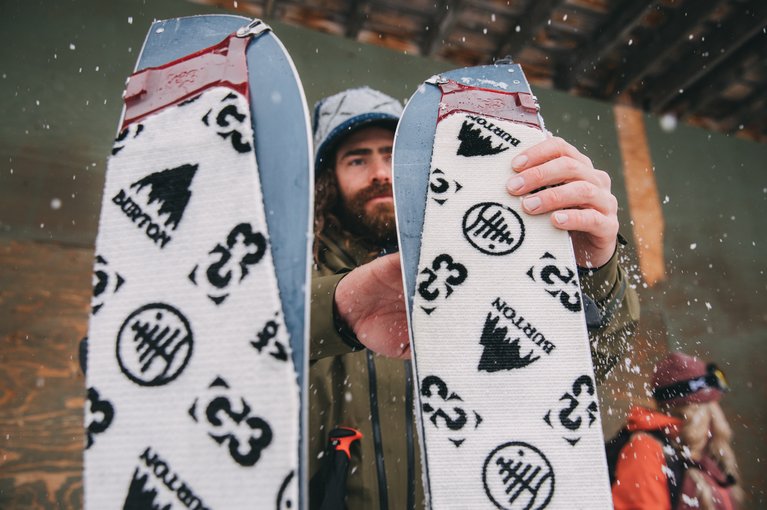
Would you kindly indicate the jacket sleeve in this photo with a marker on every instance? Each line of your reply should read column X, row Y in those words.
column 618, row 304
column 327, row 337
column 640, row 483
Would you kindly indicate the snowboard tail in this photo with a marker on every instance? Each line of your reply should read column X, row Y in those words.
column 507, row 403
column 197, row 336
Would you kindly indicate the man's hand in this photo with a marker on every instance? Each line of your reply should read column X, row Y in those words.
column 580, row 197
column 370, row 300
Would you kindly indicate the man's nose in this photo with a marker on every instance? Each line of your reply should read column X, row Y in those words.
column 381, row 170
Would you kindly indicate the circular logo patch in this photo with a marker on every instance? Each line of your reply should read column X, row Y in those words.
column 154, row 345
column 518, row 476
column 493, row 228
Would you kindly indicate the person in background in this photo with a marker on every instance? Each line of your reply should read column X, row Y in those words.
column 678, row 456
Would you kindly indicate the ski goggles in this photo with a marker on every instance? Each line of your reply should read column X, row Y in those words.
column 713, row 379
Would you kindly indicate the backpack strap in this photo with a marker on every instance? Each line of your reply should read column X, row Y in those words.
column 675, row 468
column 613, row 449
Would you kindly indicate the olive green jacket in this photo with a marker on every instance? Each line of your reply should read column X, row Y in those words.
column 354, row 387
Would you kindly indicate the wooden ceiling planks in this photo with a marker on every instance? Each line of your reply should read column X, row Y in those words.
column 646, row 52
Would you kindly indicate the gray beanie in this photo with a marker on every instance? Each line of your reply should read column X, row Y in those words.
column 338, row 116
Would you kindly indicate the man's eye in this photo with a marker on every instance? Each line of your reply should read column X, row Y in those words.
column 356, row 162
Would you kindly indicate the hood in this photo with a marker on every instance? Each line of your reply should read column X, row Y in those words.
column 642, row 418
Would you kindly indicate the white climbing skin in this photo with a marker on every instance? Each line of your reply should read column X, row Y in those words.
column 207, row 418
column 500, row 429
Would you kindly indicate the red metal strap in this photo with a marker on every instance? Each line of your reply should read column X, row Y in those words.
column 514, row 106
column 155, row 88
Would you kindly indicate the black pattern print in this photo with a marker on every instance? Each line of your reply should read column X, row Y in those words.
column 559, row 281
column 229, row 263
column 100, row 414
column 232, row 423
column 229, row 123
column 518, row 476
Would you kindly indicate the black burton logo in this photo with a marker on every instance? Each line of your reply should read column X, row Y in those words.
column 105, row 282
column 454, row 423
column 154, row 345
column 141, row 494
column 243, row 248
column 498, row 131
column 493, row 229
column 170, row 190
column 267, row 335
column 452, row 273
column 99, row 415
column 155, row 486
column 229, row 123
column 502, row 353
column 559, row 281
column 231, row 423
column 474, row 143
column 440, row 186
column 517, row 476
column 578, row 405
column 125, row 135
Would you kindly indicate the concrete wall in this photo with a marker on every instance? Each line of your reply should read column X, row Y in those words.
column 62, row 72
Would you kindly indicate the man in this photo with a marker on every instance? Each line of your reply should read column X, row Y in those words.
column 680, row 456
column 359, row 376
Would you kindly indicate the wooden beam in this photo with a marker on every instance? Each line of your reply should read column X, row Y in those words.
column 749, row 20
column 441, row 26
column 268, row 9
column 706, row 92
column 642, row 57
column 499, row 9
column 625, row 17
column 642, row 191
column 535, row 17
column 355, row 18
column 751, row 110
column 589, row 12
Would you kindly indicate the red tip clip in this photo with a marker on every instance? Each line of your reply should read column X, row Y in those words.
column 341, row 439
column 154, row 88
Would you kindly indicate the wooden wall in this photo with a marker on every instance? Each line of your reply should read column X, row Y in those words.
column 44, row 305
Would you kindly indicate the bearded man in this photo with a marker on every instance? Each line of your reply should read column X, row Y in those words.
column 360, row 375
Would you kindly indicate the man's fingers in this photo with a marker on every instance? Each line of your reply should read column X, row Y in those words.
column 556, row 171
column 370, row 300
column 386, row 267
column 404, row 351
column 579, row 194
column 589, row 221
column 385, row 334
column 549, row 149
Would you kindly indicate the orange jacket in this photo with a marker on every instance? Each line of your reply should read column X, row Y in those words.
column 640, row 481
column 640, row 474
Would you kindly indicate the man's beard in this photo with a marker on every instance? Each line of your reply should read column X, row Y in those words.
column 379, row 224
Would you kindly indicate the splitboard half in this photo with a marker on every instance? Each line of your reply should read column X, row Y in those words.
column 197, row 342
column 507, row 402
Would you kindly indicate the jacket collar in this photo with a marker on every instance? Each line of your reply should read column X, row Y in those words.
column 644, row 419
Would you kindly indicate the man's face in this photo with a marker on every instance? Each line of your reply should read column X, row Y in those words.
column 363, row 171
